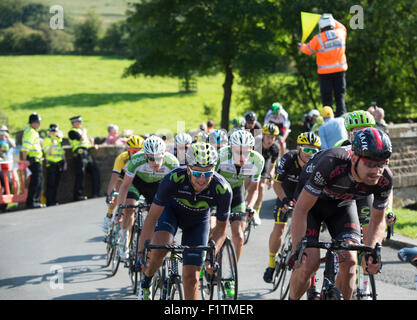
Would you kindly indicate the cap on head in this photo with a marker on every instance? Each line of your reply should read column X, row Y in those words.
column 34, row 117
column 326, row 21
column 4, row 128
column 53, row 127
column 76, row 119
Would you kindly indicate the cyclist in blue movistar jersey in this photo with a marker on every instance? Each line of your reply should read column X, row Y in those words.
column 183, row 200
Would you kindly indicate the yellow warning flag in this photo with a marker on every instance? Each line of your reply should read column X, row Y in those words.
column 308, row 22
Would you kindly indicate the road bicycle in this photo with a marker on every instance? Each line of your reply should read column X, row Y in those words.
column 223, row 284
column 140, row 210
column 249, row 225
column 167, row 282
column 329, row 291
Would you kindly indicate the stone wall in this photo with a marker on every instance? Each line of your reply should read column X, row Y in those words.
column 403, row 163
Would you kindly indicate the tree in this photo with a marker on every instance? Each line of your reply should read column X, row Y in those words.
column 87, row 33
column 179, row 38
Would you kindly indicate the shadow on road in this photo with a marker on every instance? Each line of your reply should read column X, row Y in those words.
column 86, row 257
column 100, row 294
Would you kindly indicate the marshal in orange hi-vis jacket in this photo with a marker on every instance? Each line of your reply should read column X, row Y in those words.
column 329, row 47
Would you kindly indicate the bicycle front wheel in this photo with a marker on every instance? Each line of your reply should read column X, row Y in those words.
column 175, row 289
column 205, row 284
column 157, row 286
column 227, row 275
column 246, row 233
column 133, row 257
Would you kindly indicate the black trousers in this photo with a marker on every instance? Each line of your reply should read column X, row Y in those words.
column 35, row 184
column 84, row 162
column 53, row 176
column 333, row 83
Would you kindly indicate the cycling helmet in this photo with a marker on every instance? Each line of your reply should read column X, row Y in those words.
column 309, row 138
column 154, row 145
column 135, row 142
column 201, row 154
column 218, row 136
column 276, row 108
column 183, row 138
column 359, row 118
column 270, row 128
column 238, row 122
column 242, row 138
column 34, row 117
column 250, row 116
column 373, row 144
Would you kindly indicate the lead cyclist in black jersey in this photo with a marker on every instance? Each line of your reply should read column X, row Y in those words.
column 328, row 186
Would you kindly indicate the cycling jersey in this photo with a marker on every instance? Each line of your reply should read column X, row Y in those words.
column 236, row 175
column 328, row 175
column 191, row 211
column 282, row 121
column 270, row 157
column 120, row 163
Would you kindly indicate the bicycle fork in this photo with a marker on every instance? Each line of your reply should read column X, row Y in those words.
column 331, row 270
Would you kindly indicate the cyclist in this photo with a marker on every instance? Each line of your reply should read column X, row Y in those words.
column 182, row 143
column 328, row 186
column 279, row 116
column 184, row 199
column 252, row 124
column 237, row 162
column 133, row 144
column 270, row 152
column 218, row 138
column 144, row 172
column 285, row 183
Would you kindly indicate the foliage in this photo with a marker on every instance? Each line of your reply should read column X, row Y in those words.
column 87, row 33
column 20, row 39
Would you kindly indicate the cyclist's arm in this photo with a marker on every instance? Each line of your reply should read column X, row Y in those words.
column 124, row 188
column 149, row 224
column 279, row 190
column 376, row 227
column 113, row 181
column 252, row 193
column 299, row 216
column 219, row 233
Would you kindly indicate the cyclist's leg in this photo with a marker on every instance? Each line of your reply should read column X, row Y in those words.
column 300, row 279
column 277, row 231
column 344, row 225
column 193, row 235
column 238, row 223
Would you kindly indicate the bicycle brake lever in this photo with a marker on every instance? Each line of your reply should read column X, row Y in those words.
column 303, row 245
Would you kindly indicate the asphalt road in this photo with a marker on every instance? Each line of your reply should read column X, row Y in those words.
column 58, row 253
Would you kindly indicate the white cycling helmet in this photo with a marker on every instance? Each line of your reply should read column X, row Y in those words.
column 154, row 145
column 326, row 20
column 183, row 138
column 242, row 138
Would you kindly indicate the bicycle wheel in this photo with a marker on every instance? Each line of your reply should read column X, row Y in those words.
column 133, row 257
column 332, row 293
column 373, row 287
column 110, row 246
column 175, row 289
column 246, row 233
column 205, row 284
column 115, row 258
column 227, row 275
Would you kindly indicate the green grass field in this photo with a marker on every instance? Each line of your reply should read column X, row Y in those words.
column 406, row 222
column 59, row 87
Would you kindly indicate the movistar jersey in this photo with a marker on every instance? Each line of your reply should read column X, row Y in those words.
column 176, row 191
column 237, row 175
column 138, row 165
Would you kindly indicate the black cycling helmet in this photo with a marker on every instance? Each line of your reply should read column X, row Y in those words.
column 373, row 144
column 250, row 116
column 34, row 117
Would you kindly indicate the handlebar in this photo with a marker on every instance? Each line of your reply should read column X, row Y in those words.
column 338, row 245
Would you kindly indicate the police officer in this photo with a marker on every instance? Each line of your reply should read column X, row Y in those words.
column 55, row 163
column 81, row 145
column 32, row 155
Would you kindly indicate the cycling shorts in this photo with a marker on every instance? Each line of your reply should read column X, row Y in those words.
column 342, row 221
column 139, row 187
column 238, row 204
column 279, row 216
column 195, row 232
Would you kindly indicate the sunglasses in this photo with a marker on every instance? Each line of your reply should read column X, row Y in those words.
column 198, row 174
column 374, row 164
column 309, row 150
column 154, row 159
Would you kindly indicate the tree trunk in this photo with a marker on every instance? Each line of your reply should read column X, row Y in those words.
column 227, row 96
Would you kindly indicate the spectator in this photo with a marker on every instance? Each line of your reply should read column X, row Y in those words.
column 32, row 155
column 332, row 130
column 210, row 125
column 315, row 128
column 113, row 135
column 81, row 145
column 55, row 163
column 203, row 127
column 309, row 120
column 330, row 47
column 6, row 140
column 379, row 116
